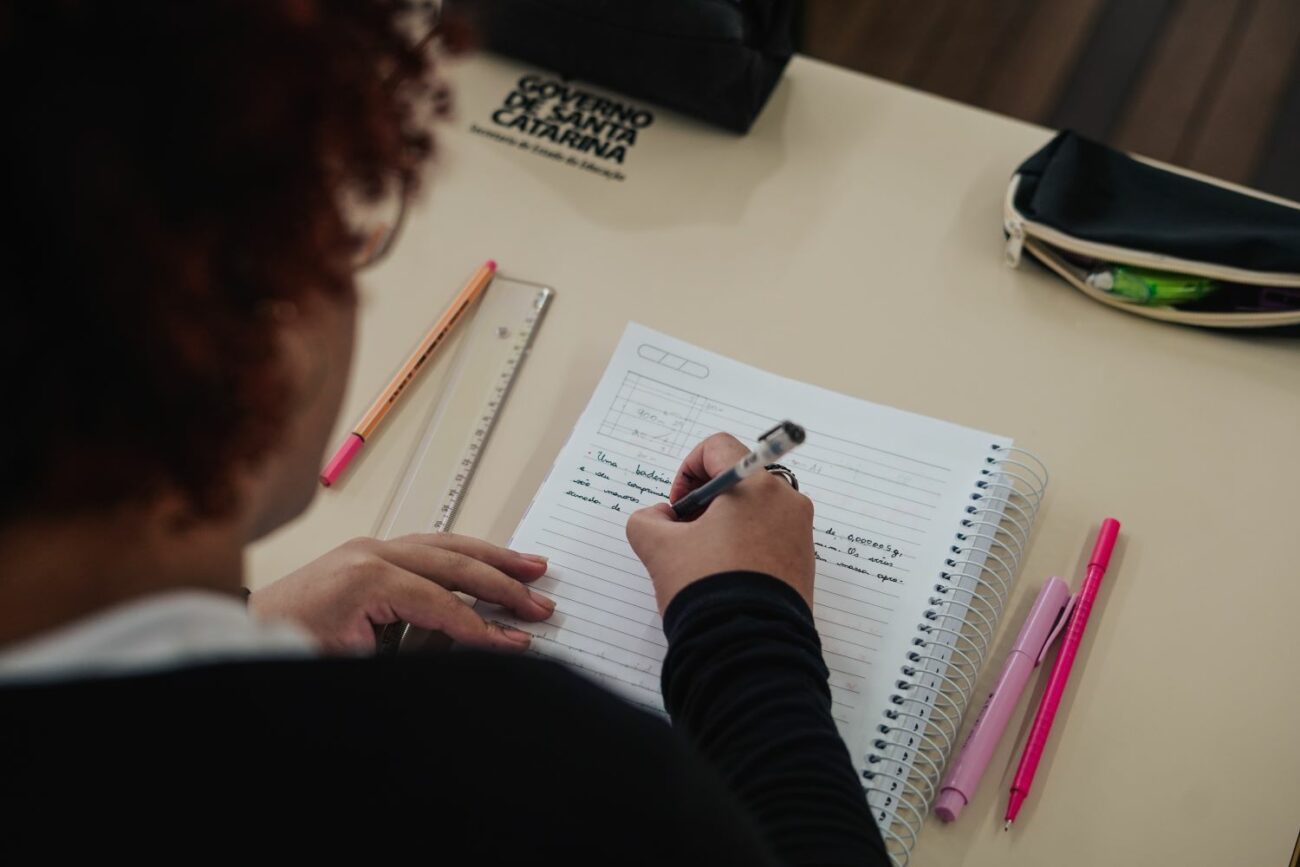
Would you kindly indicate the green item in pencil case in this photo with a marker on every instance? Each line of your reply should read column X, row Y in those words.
column 1142, row 286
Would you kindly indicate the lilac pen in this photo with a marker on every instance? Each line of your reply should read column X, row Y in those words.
column 1046, row 619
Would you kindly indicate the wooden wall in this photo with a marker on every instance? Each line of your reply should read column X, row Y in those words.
column 1213, row 85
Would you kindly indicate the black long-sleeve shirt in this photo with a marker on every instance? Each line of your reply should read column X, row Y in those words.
column 454, row 757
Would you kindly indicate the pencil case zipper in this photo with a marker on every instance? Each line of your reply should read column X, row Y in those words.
column 1019, row 229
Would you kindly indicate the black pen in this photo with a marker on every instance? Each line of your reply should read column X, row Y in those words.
column 771, row 446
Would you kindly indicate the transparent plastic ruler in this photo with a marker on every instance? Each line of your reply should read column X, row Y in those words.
column 433, row 483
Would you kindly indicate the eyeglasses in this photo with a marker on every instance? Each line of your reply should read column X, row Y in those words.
column 379, row 226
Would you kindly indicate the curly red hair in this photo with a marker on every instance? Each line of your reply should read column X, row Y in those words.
column 175, row 178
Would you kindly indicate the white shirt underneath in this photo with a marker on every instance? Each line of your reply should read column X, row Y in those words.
column 167, row 630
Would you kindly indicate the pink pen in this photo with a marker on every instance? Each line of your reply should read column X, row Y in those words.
column 1046, row 619
column 1061, row 671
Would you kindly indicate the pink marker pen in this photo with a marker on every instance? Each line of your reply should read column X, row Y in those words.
column 1060, row 676
column 1046, row 619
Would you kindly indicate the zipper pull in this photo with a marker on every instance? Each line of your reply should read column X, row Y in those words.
column 1015, row 241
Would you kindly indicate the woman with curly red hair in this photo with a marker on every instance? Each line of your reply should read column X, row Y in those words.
column 185, row 183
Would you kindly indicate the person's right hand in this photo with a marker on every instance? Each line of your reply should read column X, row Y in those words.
column 760, row 525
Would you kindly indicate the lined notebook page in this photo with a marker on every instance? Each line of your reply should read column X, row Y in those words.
column 889, row 488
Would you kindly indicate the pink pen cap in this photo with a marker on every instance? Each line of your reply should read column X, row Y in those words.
column 1101, row 551
column 1046, row 620
column 347, row 451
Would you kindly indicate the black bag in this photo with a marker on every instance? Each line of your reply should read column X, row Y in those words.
column 716, row 60
column 1077, row 202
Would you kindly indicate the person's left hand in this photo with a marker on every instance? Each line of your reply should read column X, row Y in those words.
column 341, row 597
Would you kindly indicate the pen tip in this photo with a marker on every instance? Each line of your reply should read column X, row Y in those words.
column 1007, row 826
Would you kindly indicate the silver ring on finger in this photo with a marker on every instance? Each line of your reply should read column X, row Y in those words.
column 783, row 473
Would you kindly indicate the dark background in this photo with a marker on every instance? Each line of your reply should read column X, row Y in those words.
column 1213, row 85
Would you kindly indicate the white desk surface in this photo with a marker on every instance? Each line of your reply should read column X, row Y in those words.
column 853, row 239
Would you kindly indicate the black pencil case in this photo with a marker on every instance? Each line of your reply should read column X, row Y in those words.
column 716, row 60
column 1076, row 203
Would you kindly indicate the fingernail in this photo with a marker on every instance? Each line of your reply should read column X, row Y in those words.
column 548, row 604
column 536, row 558
column 516, row 635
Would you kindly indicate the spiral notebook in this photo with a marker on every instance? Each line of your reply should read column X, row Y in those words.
column 919, row 529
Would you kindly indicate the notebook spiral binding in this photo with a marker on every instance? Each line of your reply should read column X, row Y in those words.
column 919, row 731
